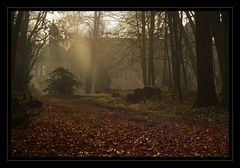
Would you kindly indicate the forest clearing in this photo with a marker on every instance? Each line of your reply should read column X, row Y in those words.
column 104, row 126
column 134, row 83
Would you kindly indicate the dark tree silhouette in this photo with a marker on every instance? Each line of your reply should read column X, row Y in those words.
column 15, row 29
column 26, row 45
column 220, row 32
column 143, row 58
column 62, row 82
column 206, row 95
column 151, row 77
column 175, row 48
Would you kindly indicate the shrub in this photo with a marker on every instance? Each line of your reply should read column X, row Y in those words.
column 103, row 100
column 62, row 82
column 144, row 94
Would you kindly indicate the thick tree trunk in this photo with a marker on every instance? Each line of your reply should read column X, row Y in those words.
column 173, row 52
column 220, row 32
column 165, row 52
column 181, row 49
column 143, row 59
column 151, row 78
column 170, row 71
column 174, row 40
column 15, row 28
column 178, row 53
column 206, row 88
column 92, row 68
column 22, row 49
column 225, row 101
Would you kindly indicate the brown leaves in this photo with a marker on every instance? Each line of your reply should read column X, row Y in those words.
column 81, row 130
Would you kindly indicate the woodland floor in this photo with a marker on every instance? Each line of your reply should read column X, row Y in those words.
column 101, row 126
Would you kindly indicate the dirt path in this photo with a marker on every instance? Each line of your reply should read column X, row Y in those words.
column 76, row 128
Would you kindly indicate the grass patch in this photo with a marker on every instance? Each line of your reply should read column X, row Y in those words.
column 95, row 95
column 103, row 100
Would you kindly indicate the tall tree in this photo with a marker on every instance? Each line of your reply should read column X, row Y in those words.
column 165, row 51
column 180, row 20
column 225, row 59
column 220, row 30
column 190, row 51
column 92, row 68
column 166, row 54
column 191, row 21
column 143, row 58
column 151, row 77
column 175, row 50
column 206, row 95
column 28, row 38
column 15, row 29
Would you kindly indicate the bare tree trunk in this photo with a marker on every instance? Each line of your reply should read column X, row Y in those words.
column 214, row 72
column 181, row 49
column 151, row 78
column 143, row 59
column 23, row 54
column 178, row 51
column 15, row 28
column 221, row 36
column 225, row 101
column 172, row 17
column 191, row 54
column 164, row 65
column 91, row 71
column 190, row 21
column 165, row 51
column 173, row 52
column 170, row 71
column 206, row 88
column 25, row 48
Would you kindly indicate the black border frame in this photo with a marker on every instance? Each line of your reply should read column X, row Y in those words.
column 29, row 4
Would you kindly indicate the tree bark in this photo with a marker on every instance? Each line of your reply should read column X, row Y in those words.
column 181, row 48
column 225, row 101
column 15, row 28
column 173, row 52
column 143, row 59
column 191, row 21
column 206, row 95
column 151, row 78
column 220, row 32
column 92, row 68
column 177, row 54
column 165, row 51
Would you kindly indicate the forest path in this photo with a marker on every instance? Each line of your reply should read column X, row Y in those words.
column 80, row 127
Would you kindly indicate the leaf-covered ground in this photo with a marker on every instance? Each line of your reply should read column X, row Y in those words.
column 102, row 126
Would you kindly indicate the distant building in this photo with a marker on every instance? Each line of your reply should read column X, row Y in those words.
column 52, row 56
column 118, row 57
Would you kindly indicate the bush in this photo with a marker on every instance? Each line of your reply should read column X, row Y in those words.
column 62, row 82
column 131, row 98
column 115, row 94
column 144, row 94
column 103, row 100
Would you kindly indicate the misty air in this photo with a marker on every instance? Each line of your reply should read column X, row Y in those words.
column 119, row 84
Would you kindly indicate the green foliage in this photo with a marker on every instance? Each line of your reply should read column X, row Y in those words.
column 62, row 82
column 103, row 100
